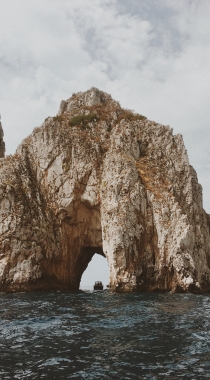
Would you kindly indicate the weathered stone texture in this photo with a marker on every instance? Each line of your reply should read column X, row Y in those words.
column 112, row 183
column 2, row 144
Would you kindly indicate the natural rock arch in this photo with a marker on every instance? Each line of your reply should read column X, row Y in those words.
column 86, row 257
column 81, row 239
column 98, row 176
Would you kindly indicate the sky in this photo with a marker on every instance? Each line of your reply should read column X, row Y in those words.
column 151, row 55
column 98, row 270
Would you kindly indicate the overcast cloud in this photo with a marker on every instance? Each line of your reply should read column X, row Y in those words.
column 151, row 55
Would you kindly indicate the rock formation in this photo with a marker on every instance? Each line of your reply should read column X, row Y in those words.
column 2, row 144
column 99, row 179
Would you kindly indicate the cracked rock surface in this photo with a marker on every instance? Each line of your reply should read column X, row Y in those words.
column 2, row 144
column 100, row 179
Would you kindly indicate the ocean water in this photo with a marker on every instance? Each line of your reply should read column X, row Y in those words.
column 100, row 335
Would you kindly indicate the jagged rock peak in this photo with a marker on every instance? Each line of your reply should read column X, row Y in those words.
column 88, row 98
column 2, row 143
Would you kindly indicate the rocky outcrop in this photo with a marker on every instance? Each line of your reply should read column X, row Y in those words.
column 97, row 178
column 2, row 144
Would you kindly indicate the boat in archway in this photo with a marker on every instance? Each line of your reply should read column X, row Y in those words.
column 98, row 285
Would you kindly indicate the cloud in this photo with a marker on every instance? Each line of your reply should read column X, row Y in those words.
column 153, row 56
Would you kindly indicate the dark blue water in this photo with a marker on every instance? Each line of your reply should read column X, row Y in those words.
column 104, row 336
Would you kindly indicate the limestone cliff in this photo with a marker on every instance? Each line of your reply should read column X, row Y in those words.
column 2, row 145
column 97, row 178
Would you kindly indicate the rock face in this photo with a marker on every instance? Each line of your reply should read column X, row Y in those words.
column 2, row 144
column 100, row 179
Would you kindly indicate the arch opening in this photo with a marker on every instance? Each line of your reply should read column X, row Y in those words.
column 94, row 268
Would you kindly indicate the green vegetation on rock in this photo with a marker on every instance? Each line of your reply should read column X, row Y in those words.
column 83, row 120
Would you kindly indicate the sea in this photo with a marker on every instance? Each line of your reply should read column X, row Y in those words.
column 101, row 335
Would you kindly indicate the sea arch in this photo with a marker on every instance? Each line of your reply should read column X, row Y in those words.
column 81, row 239
column 96, row 270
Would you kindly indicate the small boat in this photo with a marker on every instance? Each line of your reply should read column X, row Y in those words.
column 98, row 285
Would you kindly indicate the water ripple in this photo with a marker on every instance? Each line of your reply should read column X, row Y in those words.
column 99, row 335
